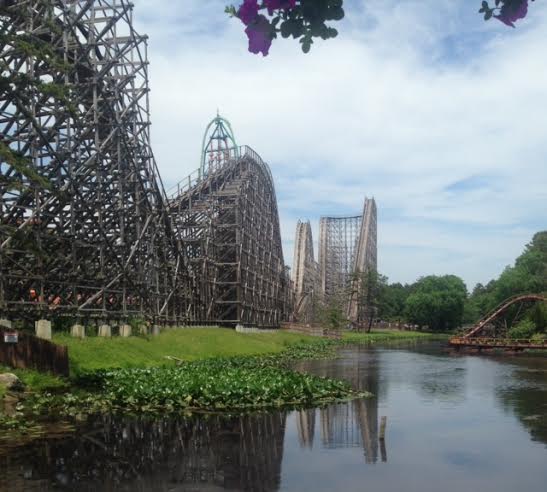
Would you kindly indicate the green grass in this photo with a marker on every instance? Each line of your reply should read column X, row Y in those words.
column 186, row 343
column 34, row 380
column 384, row 336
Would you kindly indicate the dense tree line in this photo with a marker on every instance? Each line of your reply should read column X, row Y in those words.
column 433, row 302
column 442, row 303
column 527, row 276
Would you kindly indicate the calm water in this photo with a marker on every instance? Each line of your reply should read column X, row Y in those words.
column 454, row 423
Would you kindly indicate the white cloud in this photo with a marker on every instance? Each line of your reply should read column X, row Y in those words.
column 412, row 97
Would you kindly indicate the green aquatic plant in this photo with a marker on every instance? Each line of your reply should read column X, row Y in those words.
column 221, row 384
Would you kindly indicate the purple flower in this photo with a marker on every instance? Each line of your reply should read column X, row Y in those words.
column 260, row 35
column 513, row 11
column 279, row 4
column 248, row 11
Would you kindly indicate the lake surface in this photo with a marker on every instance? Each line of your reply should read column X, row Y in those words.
column 454, row 423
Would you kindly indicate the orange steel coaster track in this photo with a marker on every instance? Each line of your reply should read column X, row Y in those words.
column 490, row 331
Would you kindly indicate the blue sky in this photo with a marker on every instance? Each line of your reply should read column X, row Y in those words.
column 419, row 103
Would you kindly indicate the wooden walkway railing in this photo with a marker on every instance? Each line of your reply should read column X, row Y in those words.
column 314, row 331
column 505, row 343
column 31, row 352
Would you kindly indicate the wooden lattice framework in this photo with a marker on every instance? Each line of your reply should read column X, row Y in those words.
column 347, row 254
column 84, row 225
column 305, row 274
column 228, row 220
column 87, row 230
column 365, row 263
column 347, row 251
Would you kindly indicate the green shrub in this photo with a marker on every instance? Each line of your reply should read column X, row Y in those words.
column 524, row 329
column 539, row 337
column 538, row 314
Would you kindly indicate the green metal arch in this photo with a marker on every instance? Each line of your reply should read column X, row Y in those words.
column 221, row 126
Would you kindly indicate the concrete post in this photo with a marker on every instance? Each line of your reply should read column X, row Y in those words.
column 5, row 323
column 43, row 329
column 78, row 331
column 125, row 330
column 156, row 330
column 105, row 331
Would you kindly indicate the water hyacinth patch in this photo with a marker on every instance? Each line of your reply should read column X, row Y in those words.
column 216, row 385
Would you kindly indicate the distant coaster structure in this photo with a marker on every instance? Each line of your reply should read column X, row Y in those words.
column 348, row 253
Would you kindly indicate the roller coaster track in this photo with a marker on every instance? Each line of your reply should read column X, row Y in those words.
column 472, row 337
column 501, row 308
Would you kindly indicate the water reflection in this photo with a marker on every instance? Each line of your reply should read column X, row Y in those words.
column 524, row 392
column 350, row 425
column 455, row 423
column 305, row 424
column 168, row 454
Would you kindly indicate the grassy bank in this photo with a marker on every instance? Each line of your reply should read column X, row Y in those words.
column 188, row 344
column 222, row 371
column 35, row 381
column 260, row 377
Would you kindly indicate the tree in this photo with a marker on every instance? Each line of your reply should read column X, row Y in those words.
column 307, row 19
column 538, row 316
column 366, row 289
column 437, row 302
column 370, row 289
column 331, row 314
column 392, row 299
column 527, row 276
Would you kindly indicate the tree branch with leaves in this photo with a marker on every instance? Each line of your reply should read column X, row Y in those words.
column 300, row 19
column 306, row 20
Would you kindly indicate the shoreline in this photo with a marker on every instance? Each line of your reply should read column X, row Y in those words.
column 206, row 382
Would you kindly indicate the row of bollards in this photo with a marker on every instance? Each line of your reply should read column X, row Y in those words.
column 43, row 329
